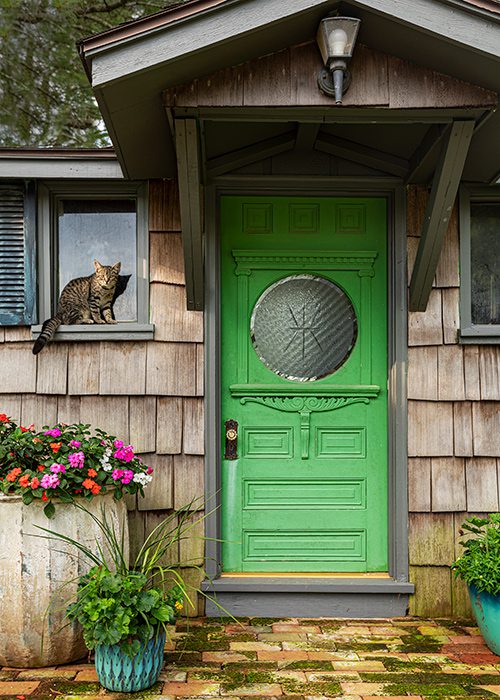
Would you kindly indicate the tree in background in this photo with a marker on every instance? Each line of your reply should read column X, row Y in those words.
column 45, row 96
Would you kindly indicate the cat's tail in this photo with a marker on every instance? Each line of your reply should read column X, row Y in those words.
column 48, row 329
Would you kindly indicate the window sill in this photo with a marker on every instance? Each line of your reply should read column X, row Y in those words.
column 107, row 331
column 480, row 335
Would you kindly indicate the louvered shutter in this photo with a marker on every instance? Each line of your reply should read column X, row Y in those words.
column 17, row 254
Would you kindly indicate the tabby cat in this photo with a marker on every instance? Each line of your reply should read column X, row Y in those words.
column 84, row 300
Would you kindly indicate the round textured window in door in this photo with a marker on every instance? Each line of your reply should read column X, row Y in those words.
column 303, row 327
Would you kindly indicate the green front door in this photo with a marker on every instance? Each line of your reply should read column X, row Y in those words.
column 304, row 377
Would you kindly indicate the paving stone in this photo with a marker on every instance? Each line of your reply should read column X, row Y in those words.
column 362, row 688
column 282, row 637
column 87, row 675
column 224, row 657
column 198, row 688
column 280, row 655
column 254, row 646
column 352, row 630
column 298, row 676
column 358, row 666
column 172, row 676
column 471, row 669
column 491, row 688
column 388, row 631
column 18, row 687
column 297, row 629
column 321, row 676
column 392, row 697
column 263, row 689
column 434, row 631
column 42, row 673
column 468, row 640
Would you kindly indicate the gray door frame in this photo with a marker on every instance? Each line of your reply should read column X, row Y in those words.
column 227, row 587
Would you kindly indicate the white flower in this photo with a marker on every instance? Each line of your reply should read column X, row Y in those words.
column 141, row 478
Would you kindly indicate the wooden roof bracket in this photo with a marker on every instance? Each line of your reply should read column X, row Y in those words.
column 189, row 172
column 437, row 214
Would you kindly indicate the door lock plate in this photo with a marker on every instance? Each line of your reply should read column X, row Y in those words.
column 231, row 450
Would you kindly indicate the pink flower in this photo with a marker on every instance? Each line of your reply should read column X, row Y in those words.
column 125, row 454
column 56, row 468
column 150, row 470
column 117, row 474
column 127, row 477
column 50, row 481
column 75, row 443
column 55, row 432
column 76, row 459
column 118, row 444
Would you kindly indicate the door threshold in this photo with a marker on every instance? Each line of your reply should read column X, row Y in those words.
column 307, row 574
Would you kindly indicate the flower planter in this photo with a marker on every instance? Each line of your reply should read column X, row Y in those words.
column 125, row 674
column 32, row 571
column 486, row 609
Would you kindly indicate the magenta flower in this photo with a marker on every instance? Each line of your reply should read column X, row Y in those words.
column 76, row 459
column 118, row 444
column 127, row 477
column 55, row 432
column 75, row 443
column 56, row 468
column 150, row 470
column 125, row 454
column 49, row 481
column 117, row 474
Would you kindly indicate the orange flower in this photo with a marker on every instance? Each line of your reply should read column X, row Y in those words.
column 40, row 467
column 3, row 418
column 35, row 483
column 55, row 446
column 36, row 440
column 96, row 489
column 24, row 480
column 12, row 475
column 89, row 484
column 91, row 472
column 44, row 496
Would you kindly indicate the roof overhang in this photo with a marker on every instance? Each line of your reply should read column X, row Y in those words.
column 130, row 66
column 64, row 163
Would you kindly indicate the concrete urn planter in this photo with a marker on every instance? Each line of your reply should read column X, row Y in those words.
column 32, row 570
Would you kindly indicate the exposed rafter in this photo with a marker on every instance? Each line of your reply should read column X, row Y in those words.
column 250, row 154
column 189, row 179
column 373, row 158
column 437, row 214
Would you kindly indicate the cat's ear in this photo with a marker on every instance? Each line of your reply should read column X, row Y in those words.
column 97, row 265
column 117, row 266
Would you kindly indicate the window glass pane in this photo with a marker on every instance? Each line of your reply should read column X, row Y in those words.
column 485, row 263
column 104, row 230
column 303, row 327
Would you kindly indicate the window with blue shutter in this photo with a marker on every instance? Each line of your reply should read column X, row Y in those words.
column 17, row 254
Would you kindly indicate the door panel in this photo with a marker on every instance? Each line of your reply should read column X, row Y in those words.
column 308, row 490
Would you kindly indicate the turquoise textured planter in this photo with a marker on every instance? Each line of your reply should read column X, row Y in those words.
column 125, row 674
column 487, row 612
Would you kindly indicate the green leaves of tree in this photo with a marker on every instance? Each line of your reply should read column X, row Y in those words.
column 45, row 96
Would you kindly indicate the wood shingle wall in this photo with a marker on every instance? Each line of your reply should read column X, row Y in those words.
column 453, row 430
column 147, row 392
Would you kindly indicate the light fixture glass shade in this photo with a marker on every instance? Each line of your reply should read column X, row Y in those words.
column 336, row 37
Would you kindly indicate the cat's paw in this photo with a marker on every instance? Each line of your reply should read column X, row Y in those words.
column 100, row 321
column 111, row 320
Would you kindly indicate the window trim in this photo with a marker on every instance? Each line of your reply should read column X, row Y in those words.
column 49, row 193
column 472, row 332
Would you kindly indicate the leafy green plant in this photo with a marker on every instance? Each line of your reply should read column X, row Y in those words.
column 128, row 605
column 479, row 565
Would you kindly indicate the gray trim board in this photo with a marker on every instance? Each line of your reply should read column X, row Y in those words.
column 438, row 211
column 308, row 605
column 365, row 155
column 41, row 167
column 312, row 597
column 118, row 331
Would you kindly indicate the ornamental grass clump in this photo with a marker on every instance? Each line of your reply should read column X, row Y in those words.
column 479, row 565
column 127, row 605
column 66, row 461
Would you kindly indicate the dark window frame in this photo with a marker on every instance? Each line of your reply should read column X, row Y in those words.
column 470, row 332
column 50, row 193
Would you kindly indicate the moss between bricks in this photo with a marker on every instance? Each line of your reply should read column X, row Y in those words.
column 425, row 679
column 433, row 691
column 419, row 643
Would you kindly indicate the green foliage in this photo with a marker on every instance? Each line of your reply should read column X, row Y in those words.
column 479, row 564
column 127, row 605
column 45, row 95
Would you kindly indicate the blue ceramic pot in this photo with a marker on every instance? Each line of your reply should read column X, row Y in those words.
column 128, row 674
column 487, row 613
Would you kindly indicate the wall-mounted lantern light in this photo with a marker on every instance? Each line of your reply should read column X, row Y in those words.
column 336, row 38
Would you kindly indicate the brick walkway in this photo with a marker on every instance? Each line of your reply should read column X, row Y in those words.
column 296, row 660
